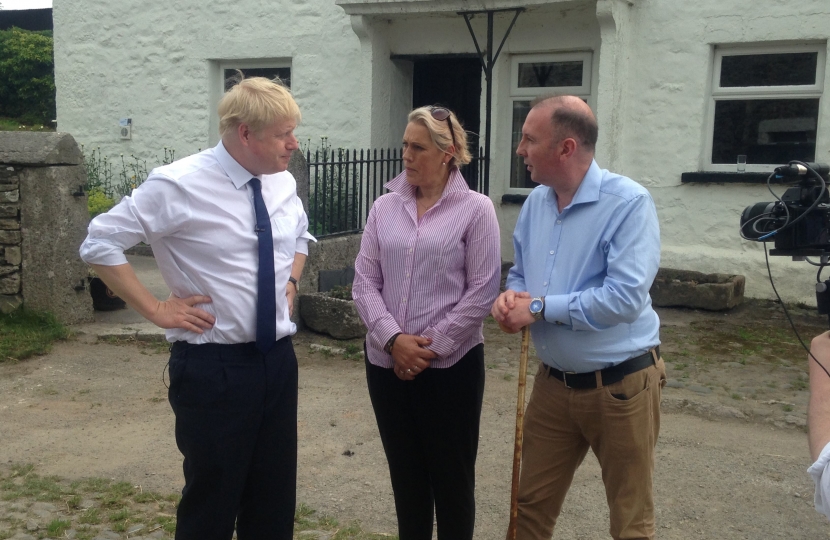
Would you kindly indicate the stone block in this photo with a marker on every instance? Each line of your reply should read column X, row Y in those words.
column 333, row 316
column 10, row 195
column 9, row 210
column 298, row 167
column 54, row 224
column 10, row 284
column 329, row 254
column 9, row 303
column 9, row 225
column 13, row 255
column 39, row 149
column 8, row 177
column 6, row 269
column 687, row 288
column 10, row 237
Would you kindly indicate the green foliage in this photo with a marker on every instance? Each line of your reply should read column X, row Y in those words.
column 334, row 191
column 27, row 76
column 98, row 202
column 343, row 292
column 106, row 184
column 26, row 333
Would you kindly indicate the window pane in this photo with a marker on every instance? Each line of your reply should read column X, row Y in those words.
column 519, row 175
column 550, row 74
column 768, row 70
column 767, row 131
column 284, row 73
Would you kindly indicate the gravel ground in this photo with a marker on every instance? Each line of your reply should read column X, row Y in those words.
column 731, row 458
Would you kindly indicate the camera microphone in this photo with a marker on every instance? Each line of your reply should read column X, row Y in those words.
column 796, row 169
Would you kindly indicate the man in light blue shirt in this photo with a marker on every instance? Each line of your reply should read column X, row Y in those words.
column 587, row 248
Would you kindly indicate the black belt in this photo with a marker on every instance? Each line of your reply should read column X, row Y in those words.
column 583, row 381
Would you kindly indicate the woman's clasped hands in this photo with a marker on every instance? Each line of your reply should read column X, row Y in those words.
column 411, row 356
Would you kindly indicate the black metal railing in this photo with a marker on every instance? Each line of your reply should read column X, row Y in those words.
column 343, row 185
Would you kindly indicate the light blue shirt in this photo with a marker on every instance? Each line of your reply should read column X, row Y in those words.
column 594, row 263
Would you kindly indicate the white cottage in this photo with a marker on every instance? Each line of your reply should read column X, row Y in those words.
column 681, row 90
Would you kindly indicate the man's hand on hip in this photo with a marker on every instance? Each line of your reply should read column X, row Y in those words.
column 178, row 312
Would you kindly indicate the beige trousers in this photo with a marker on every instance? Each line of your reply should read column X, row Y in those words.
column 619, row 422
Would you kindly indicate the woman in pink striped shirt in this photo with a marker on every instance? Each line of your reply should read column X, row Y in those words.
column 426, row 275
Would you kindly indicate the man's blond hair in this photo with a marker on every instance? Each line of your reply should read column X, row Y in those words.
column 257, row 102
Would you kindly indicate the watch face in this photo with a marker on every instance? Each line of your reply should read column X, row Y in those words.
column 536, row 306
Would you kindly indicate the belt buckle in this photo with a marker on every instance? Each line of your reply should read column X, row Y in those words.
column 565, row 378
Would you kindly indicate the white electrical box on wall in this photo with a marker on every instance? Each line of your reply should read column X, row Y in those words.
column 125, row 126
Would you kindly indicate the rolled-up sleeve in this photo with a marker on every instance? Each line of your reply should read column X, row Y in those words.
column 303, row 236
column 154, row 210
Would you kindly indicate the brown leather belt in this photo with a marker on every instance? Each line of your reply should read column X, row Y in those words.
column 584, row 381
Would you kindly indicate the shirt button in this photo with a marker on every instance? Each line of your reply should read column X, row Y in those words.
column 545, row 283
column 551, row 252
column 544, row 346
column 403, row 300
column 558, row 221
column 411, row 250
column 407, row 274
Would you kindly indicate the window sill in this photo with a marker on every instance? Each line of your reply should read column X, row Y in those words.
column 724, row 178
column 514, row 198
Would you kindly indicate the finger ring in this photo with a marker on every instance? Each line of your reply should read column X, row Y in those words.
column 409, row 371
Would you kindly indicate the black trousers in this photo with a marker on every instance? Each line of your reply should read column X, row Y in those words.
column 429, row 429
column 236, row 425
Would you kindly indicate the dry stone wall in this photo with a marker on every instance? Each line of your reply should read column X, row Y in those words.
column 43, row 220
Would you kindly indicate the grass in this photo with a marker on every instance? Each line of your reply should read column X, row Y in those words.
column 24, row 334
column 14, row 124
column 119, row 505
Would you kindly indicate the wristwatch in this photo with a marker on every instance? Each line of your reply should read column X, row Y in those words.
column 537, row 308
column 293, row 280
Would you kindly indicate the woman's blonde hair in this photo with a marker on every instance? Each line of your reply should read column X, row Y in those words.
column 257, row 102
column 439, row 131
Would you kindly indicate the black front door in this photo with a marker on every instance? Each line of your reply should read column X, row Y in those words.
column 455, row 83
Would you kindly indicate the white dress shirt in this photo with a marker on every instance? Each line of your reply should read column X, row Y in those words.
column 821, row 476
column 198, row 216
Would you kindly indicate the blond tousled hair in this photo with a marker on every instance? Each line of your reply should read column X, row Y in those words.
column 257, row 102
column 439, row 131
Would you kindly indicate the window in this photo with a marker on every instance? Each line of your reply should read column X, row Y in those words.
column 533, row 75
column 229, row 72
column 765, row 105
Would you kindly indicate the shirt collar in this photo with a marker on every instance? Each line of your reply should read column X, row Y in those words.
column 455, row 184
column 236, row 172
column 588, row 190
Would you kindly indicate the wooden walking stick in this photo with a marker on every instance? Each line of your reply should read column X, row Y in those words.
column 517, row 447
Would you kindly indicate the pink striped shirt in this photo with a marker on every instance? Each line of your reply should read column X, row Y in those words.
column 437, row 277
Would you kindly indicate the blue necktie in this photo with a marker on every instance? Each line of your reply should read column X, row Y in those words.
column 266, row 303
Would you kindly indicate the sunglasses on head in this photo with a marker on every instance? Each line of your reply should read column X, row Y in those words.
column 441, row 114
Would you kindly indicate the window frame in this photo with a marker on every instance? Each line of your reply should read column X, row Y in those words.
column 718, row 93
column 585, row 91
column 216, row 83
column 250, row 64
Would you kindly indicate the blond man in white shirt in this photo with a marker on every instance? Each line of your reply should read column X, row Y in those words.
column 233, row 385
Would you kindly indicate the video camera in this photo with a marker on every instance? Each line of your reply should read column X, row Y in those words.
column 799, row 222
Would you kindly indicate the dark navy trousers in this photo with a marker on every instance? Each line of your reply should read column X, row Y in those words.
column 236, row 425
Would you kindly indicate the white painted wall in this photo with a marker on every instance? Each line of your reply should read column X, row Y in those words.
column 156, row 62
column 666, row 105
column 650, row 84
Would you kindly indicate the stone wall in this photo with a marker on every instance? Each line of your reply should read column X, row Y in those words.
column 43, row 220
